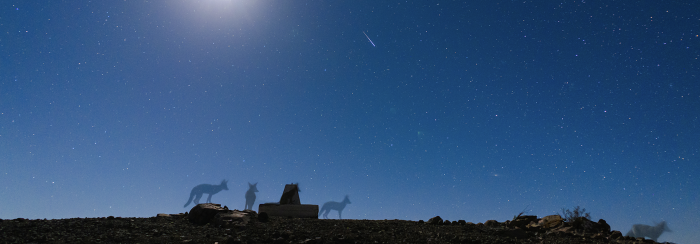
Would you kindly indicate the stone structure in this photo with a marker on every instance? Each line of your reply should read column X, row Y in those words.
column 290, row 205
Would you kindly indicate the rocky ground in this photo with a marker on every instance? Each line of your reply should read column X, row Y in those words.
column 178, row 229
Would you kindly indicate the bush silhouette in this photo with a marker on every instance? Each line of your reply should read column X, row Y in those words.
column 570, row 216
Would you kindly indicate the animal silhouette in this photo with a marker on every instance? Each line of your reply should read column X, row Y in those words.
column 250, row 195
column 653, row 232
column 291, row 194
column 199, row 190
column 338, row 206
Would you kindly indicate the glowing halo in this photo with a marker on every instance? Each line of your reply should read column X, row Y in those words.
column 220, row 10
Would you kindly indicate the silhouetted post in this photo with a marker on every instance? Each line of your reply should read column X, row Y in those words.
column 290, row 205
column 290, row 195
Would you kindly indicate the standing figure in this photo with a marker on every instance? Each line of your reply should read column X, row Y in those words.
column 339, row 206
column 250, row 195
column 199, row 190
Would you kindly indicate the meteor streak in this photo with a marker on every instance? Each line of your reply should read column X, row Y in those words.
column 370, row 40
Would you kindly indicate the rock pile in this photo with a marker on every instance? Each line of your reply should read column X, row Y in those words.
column 528, row 226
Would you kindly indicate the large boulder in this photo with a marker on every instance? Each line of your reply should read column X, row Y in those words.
column 587, row 226
column 603, row 226
column 204, row 213
column 584, row 227
column 522, row 221
column 435, row 220
column 616, row 235
column 550, row 221
column 212, row 213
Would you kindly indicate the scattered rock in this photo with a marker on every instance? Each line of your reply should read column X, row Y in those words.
column 514, row 233
column 234, row 217
column 491, row 223
column 598, row 236
column 563, row 229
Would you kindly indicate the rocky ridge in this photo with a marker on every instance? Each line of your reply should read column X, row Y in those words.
column 230, row 228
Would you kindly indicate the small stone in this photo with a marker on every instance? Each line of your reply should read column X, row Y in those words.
column 550, row 221
column 231, row 217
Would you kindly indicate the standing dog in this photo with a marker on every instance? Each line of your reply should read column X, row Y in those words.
column 199, row 190
column 250, row 195
column 653, row 232
column 338, row 206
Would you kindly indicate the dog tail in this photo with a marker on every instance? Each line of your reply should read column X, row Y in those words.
column 189, row 200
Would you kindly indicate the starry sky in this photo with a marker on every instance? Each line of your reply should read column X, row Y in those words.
column 471, row 110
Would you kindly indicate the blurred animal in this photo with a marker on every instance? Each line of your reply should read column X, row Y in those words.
column 199, row 190
column 653, row 232
column 288, row 196
column 250, row 195
column 339, row 206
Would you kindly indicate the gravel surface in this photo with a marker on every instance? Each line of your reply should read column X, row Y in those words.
column 177, row 229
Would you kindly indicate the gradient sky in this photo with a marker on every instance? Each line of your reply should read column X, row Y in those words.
column 469, row 110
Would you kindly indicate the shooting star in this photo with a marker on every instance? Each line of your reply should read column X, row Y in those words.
column 370, row 40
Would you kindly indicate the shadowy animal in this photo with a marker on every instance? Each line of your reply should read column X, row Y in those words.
column 250, row 196
column 288, row 196
column 338, row 206
column 653, row 232
column 199, row 190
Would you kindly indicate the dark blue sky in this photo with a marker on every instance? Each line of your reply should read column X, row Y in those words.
column 467, row 110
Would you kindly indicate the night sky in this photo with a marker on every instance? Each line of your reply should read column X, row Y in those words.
column 471, row 110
